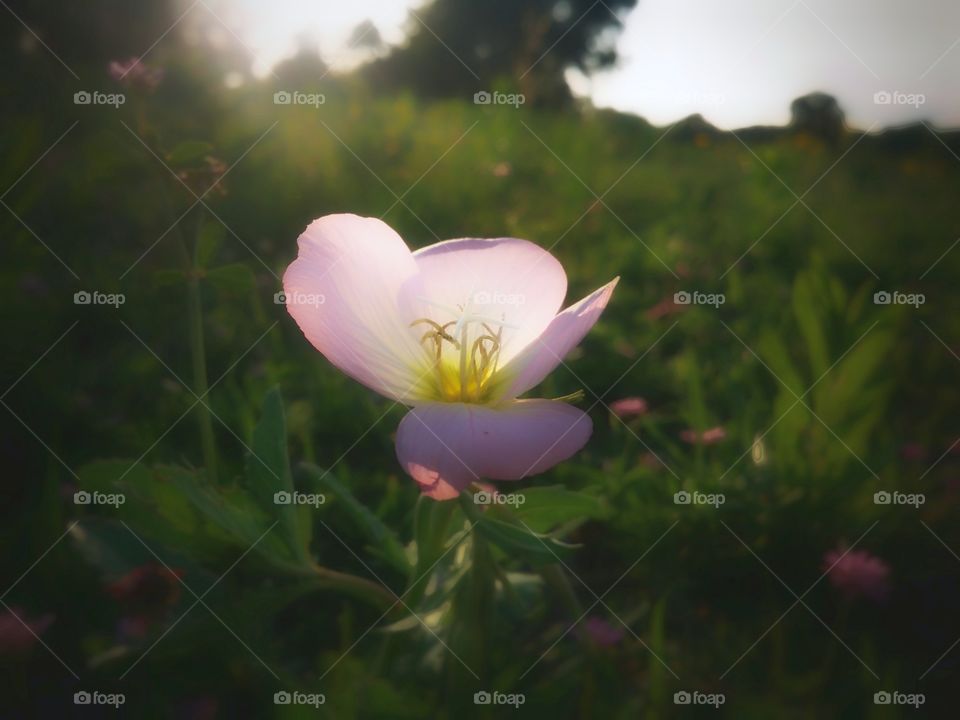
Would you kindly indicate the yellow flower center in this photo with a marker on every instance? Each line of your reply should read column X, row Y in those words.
column 464, row 362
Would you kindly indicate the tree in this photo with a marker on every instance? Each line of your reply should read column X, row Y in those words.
column 818, row 114
column 457, row 47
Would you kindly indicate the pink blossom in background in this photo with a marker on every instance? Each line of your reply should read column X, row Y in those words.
column 857, row 573
column 134, row 73
column 18, row 633
column 629, row 407
column 707, row 437
column 601, row 632
column 145, row 594
column 456, row 331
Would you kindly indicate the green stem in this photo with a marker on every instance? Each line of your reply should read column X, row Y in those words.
column 197, row 349
column 356, row 586
column 198, row 355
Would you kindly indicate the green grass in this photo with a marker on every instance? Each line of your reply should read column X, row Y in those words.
column 677, row 211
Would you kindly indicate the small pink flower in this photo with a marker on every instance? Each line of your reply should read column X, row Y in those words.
column 145, row 595
column 18, row 633
column 601, row 632
column 857, row 573
column 134, row 73
column 456, row 331
column 707, row 437
column 628, row 407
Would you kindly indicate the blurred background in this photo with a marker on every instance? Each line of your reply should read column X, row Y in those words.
column 764, row 521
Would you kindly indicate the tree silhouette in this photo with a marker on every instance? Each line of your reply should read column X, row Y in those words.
column 456, row 47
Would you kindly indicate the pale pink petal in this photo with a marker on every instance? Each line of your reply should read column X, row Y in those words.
column 351, row 290
column 512, row 281
column 447, row 446
column 563, row 334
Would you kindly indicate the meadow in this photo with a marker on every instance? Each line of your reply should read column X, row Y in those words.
column 785, row 390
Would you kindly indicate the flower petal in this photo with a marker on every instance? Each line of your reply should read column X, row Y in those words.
column 351, row 290
column 564, row 333
column 446, row 446
column 510, row 280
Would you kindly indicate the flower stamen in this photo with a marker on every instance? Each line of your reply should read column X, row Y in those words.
column 468, row 378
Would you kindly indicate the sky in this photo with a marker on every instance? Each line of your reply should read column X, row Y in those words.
column 736, row 62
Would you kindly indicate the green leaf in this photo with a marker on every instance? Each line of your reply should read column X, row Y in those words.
column 517, row 540
column 384, row 542
column 545, row 508
column 233, row 279
column 240, row 516
column 208, row 242
column 156, row 508
column 268, row 475
column 806, row 304
column 189, row 153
